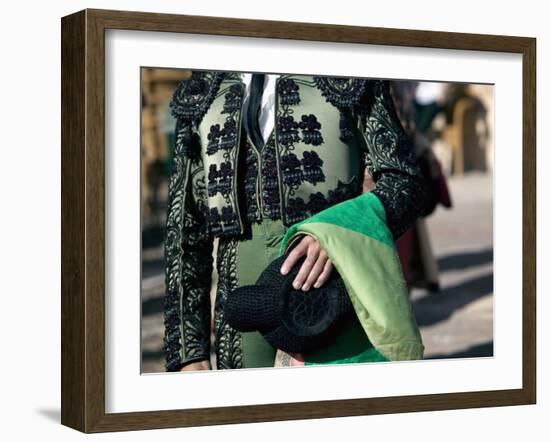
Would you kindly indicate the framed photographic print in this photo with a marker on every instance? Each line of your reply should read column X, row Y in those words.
column 269, row 220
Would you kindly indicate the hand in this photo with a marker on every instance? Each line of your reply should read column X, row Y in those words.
column 315, row 269
column 197, row 365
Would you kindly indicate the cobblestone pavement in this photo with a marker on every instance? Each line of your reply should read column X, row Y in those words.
column 455, row 322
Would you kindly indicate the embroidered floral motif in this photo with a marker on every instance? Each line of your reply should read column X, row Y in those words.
column 213, row 139
column 341, row 92
column 291, row 170
column 310, row 130
column 221, row 174
column 296, row 210
column 289, row 94
column 287, row 131
column 229, row 135
column 220, row 180
column 193, row 97
column 232, row 100
column 295, row 172
column 226, row 138
column 312, row 165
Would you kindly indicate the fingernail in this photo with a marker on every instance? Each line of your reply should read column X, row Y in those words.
column 305, row 288
column 316, row 285
column 283, row 270
column 296, row 285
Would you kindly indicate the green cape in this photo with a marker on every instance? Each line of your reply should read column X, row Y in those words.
column 355, row 236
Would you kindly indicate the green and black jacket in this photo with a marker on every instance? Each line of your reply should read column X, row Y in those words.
column 327, row 131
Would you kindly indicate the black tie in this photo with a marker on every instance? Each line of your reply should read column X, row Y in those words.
column 255, row 101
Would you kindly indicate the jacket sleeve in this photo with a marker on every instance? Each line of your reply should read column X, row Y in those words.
column 188, row 257
column 390, row 160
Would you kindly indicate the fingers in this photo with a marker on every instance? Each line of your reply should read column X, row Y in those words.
column 327, row 269
column 296, row 253
column 307, row 265
column 316, row 270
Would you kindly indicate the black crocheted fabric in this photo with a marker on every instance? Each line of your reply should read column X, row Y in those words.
column 289, row 319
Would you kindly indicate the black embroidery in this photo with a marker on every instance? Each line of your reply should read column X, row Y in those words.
column 287, row 135
column 344, row 93
column 232, row 100
column 172, row 332
column 291, row 170
column 403, row 198
column 214, row 221
column 228, row 340
column 346, row 126
column 188, row 260
column 220, row 180
column 270, row 181
column 221, row 175
column 213, row 139
column 297, row 209
column 313, row 167
column 226, row 138
column 341, row 92
column 287, row 131
column 311, row 130
column 229, row 134
column 251, row 183
column 193, row 97
column 228, row 217
column 295, row 171
column 226, row 221
column 289, row 94
column 391, row 161
column 344, row 191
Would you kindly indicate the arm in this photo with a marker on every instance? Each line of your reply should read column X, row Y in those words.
column 390, row 160
column 188, row 259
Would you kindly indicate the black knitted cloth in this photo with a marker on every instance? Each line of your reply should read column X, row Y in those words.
column 291, row 320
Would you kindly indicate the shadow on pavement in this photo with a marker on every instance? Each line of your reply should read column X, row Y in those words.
column 476, row 351
column 152, row 355
column 461, row 261
column 437, row 307
column 151, row 268
column 152, row 306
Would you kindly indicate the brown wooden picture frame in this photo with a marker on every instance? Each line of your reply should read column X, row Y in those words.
column 83, row 219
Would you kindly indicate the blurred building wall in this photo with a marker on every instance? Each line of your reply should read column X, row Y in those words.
column 157, row 127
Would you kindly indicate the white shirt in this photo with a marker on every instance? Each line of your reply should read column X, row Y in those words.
column 266, row 118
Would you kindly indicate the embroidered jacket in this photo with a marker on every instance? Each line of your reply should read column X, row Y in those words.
column 327, row 131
